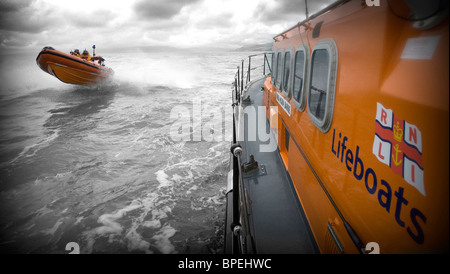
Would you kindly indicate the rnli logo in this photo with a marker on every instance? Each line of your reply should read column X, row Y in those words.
column 398, row 144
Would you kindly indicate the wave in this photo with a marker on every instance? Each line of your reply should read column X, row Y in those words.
column 152, row 216
column 151, row 206
column 120, row 181
column 31, row 150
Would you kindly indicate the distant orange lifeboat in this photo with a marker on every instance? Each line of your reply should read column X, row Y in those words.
column 71, row 69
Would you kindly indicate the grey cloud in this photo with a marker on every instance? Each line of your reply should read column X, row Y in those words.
column 288, row 7
column 94, row 19
column 13, row 5
column 286, row 10
column 223, row 20
column 21, row 16
column 15, row 40
column 281, row 12
column 22, row 23
column 160, row 9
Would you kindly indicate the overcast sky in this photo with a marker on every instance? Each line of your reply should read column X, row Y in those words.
column 32, row 24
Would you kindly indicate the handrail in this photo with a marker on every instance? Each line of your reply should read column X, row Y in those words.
column 239, row 232
column 239, row 75
column 239, row 198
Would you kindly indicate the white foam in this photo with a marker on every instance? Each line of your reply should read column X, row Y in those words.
column 162, row 239
column 79, row 219
column 193, row 188
column 110, row 226
column 163, row 179
column 147, row 205
column 158, row 71
column 152, row 224
column 62, row 174
column 216, row 200
column 179, row 179
column 135, row 242
column 109, row 221
column 159, row 214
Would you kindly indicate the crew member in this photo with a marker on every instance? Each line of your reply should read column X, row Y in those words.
column 86, row 55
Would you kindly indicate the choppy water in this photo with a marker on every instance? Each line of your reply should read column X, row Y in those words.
column 97, row 165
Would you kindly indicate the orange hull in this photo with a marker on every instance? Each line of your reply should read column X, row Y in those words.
column 71, row 69
column 357, row 102
column 379, row 70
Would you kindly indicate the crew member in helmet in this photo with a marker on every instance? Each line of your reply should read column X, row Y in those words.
column 77, row 53
column 86, row 55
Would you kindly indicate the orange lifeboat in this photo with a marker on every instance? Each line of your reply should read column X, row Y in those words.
column 71, row 69
column 356, row 159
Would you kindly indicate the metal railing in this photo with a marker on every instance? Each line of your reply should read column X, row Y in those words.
column 238, row 85
column 241, row 233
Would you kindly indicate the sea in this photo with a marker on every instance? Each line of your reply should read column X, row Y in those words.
column 137, row 164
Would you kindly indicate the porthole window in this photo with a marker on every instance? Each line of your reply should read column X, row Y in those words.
column 319, row 81
column 287, row 69
column 299, row 76
column 322, row 83
column 279, row 70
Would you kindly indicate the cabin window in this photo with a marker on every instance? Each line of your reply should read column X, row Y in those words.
column 279, row 72
column 299, row 76
column 322, row 84
column 319, row 82
column 286, row 73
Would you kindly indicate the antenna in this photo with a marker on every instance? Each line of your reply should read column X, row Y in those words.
column 306, row 9
column 93, row 47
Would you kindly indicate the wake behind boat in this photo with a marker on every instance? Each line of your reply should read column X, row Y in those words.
column 73, row 68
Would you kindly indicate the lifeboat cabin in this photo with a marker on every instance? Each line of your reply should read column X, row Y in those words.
column 342, row 146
